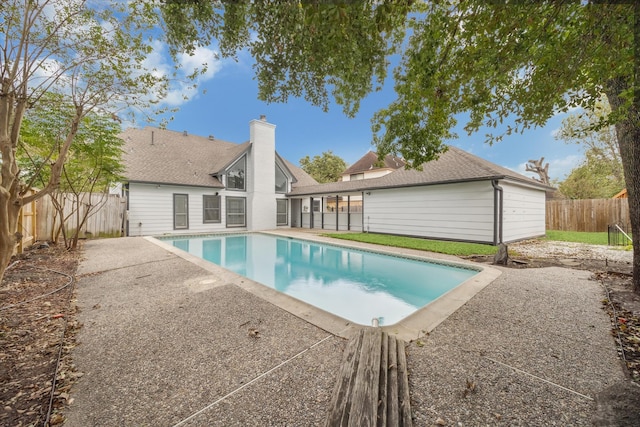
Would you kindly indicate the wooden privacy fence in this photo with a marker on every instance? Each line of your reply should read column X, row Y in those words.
column 27, row 225
column 105, row 220
column 593, row 215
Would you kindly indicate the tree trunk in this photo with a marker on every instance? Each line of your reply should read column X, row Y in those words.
column 628, row 134
column 9, row 212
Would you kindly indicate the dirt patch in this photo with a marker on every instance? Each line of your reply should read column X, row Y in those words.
column 37, row 329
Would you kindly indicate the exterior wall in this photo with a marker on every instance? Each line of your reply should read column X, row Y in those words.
column 460, row 211
column 151, row 209
column 261, row 205
column 523, row 212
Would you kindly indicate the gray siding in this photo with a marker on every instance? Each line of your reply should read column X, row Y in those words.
column 524, row 212
column 462, row 211
column 151, row 209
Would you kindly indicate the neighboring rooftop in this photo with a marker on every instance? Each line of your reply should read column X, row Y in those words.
column 370, row 162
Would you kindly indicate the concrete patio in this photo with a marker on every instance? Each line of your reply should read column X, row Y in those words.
column 166, row 342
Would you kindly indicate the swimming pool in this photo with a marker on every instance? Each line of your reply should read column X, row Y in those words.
column 354, row 284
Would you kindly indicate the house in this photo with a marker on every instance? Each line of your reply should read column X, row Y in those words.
column 458, row 197
column 621, row 195
column 181, row 184
column 370, row 167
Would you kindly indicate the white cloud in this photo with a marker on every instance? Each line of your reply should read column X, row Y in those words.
column 182, row 89
column 201, row 56
column 559, row 168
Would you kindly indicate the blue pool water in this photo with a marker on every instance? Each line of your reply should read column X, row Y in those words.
column 357, row 285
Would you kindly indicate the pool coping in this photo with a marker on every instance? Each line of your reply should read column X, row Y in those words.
column 412, row 327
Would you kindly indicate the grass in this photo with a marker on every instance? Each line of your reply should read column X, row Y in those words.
column 449, row 248
column 578, row 236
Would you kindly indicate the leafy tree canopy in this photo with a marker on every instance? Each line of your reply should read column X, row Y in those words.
column 325, row 168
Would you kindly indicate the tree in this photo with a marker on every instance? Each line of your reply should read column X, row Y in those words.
column 93, row 163
column 89, row 52
column 594, row 178
column 601, row 174
column 542, row 171
column 505, row 65
column 325, row 168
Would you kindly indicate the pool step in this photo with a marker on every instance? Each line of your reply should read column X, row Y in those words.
column 373, row 386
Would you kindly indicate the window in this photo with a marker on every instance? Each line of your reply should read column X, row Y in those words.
column 180, row 211
column 236, row 211
column 281, row 180
column 236, row 175
column 356, row 176
column 210, row 209
column 282, row 217
column 317, row 205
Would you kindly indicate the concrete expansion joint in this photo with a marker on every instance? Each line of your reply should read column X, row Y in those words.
column 520, row 371
column 264, row 374
column 93, row 273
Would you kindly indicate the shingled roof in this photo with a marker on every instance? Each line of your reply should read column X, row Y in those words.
column 170, row 157
column 369, row 160
column 454, row 165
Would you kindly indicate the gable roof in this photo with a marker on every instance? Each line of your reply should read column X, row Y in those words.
column 302, row 178
column 369, row 160
column 454, row 165
column 170, row 157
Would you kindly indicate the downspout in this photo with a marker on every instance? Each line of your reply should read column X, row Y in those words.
column 497, row 212
column 349, row 213
column 125, row 218
column 337, row 214
column 362, row 207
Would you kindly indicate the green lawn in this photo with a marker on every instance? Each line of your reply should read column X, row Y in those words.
column 450, row 248
column 578, row 236
column 463, row 249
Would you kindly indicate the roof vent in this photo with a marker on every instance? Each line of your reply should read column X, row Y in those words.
column 184, row 133
column 263, row 117
column 211, row 138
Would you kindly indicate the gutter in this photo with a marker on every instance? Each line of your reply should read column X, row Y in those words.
column 497, row 212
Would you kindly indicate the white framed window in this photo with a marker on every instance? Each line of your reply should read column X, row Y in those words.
column 180, row 211
column 356, row 176
column 210, row 208
column 236, row 175
column 281, row 180
column 236, row 211
column 282, row 211
column 317, row 205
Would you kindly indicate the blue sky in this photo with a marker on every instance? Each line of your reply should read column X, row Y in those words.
column 230, row 103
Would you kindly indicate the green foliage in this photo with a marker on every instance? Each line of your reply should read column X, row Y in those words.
column 596, row 178
column 601, row 174
column 439, row 246
column 304, row 49
column 325, row 168
column 491, row 60
column 94, row 159
column 578, row 237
